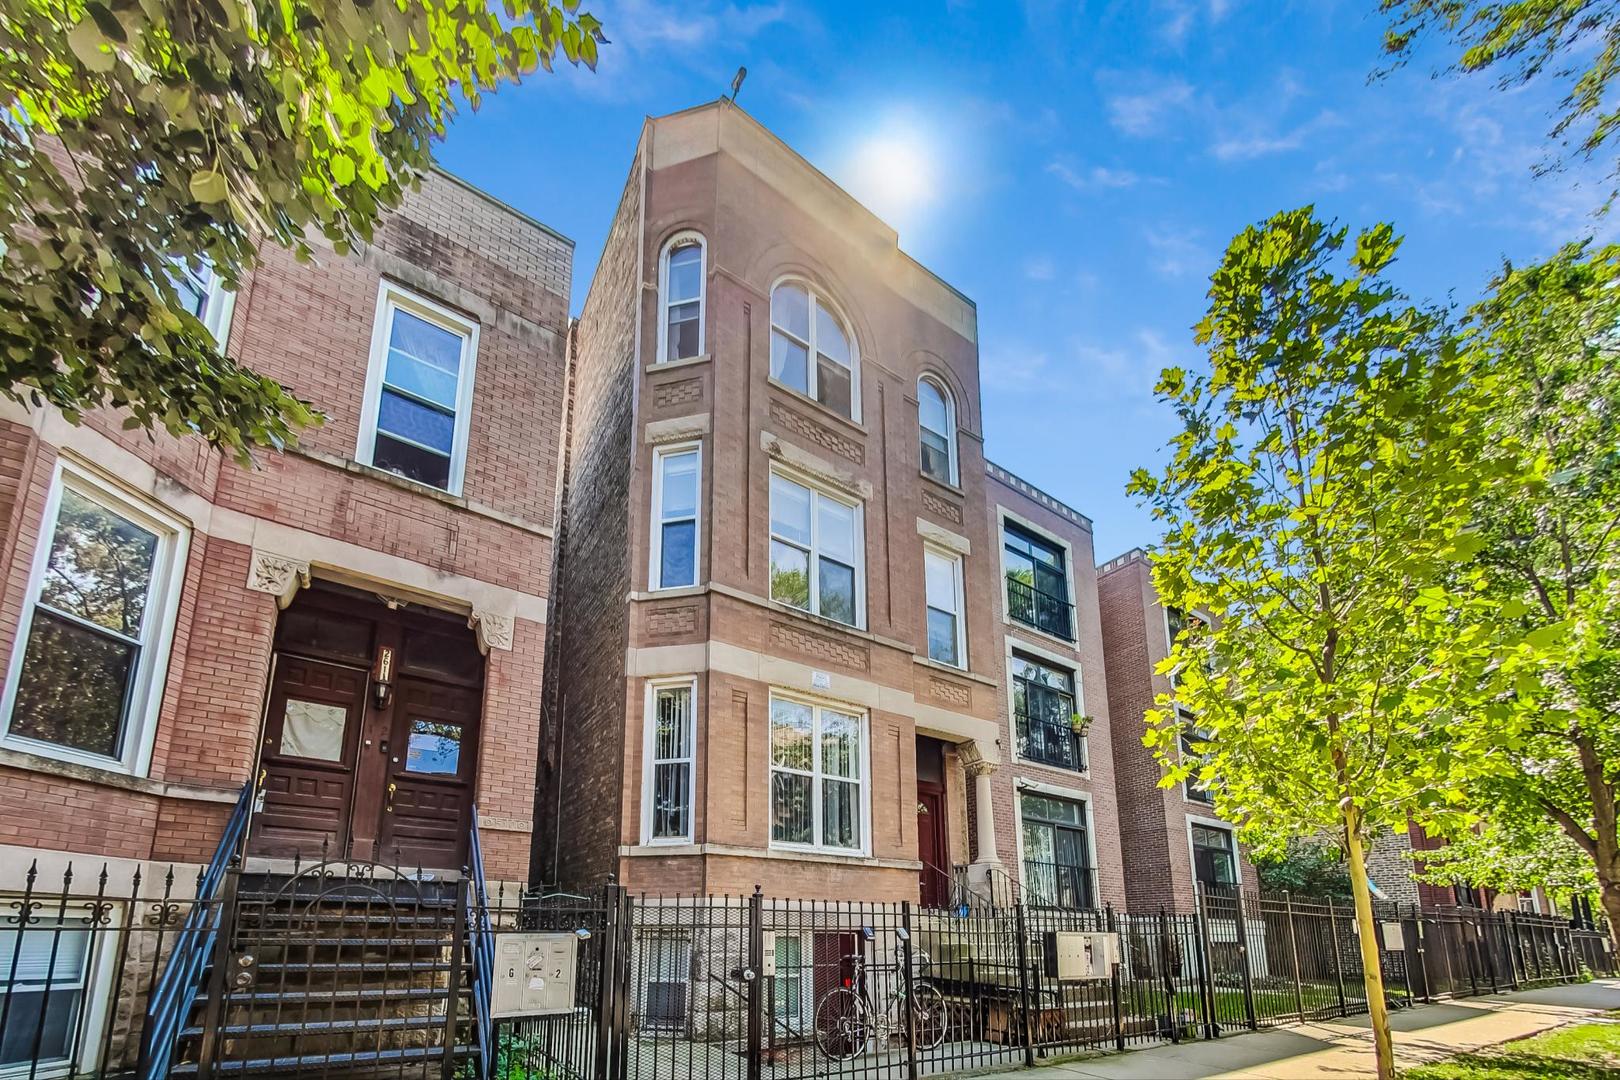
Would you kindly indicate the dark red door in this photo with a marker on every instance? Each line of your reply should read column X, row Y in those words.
column 932, row 845
column 311, row 744
column 434, row 744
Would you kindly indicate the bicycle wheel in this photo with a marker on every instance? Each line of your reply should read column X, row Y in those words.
column 928, row 1012
column 842, row 1026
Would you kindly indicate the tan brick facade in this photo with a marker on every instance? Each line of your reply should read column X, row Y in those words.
column 485, row 550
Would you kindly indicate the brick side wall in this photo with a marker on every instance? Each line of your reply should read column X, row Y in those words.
column 594, row 575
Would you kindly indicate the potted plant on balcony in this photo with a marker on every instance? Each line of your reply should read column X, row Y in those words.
column 1078, row 723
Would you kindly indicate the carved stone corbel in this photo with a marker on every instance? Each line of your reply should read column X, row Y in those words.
column 279, row 575
column 494, row 631
column 973, row 760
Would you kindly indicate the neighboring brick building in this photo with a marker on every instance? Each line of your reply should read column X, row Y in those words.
column 371, row 643
column 1170, row 838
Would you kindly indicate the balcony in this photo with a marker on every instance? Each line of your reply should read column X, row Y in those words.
column 1049, row 742
column 1045, row 612
column 1058, row 885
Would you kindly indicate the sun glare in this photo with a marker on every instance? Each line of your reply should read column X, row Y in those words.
column 893, row 171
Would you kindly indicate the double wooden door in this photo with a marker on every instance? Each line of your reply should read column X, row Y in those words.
column 369, row 749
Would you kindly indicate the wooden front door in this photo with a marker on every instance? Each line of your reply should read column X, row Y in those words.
column 932, row 845
column 370, row 743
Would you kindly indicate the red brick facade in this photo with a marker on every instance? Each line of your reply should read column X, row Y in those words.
column 484, row 552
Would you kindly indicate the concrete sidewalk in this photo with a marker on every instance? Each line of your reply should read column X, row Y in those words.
column 1343, row 1048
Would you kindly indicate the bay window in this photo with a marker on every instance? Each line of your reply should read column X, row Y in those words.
column 818, row 776
column 816, row 551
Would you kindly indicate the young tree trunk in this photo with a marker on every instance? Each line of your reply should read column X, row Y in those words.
column 1367, row 933
column 1609, row 894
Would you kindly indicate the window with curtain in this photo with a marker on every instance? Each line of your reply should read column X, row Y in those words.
column 43, row 981
column 817, row 781
column 810, row 348
column 682, row 327
column 675, row 517
column 937, row 420
column 669, row 792
column 816, row 556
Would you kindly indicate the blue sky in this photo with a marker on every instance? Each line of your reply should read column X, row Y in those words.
column 1075, row 168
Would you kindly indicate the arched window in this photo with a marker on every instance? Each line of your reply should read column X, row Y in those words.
column 811, row 350
column 936, row 417
column 680, row 291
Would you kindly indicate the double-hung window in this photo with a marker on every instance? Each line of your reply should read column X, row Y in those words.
column 811, row 351
column 42, row 982
column 1043, row 714
column 676, row 476
column 204, row 295
column 818, row 776
column 1214, row 856
column 942, row 586
column 93, row 641
column 680, row 330
column 418, row 391
column 936, row 420
column 816, row 551
column 671, row 738
column 1037, row 582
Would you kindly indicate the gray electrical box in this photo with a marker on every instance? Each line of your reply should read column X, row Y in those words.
column 1074, row 957
column 534, row 974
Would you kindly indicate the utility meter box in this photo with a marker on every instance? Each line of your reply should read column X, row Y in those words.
column 1394, row 935
column 1076, row 957
column 534, row 974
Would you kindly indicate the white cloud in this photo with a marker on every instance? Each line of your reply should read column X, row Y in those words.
column 1039, row 268
column 1260, row 142
column 1098, row 176
column 1176, row 253
column 1143, row 112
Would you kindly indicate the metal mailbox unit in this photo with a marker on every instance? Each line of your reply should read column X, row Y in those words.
column 1074, row 956
column 534, row 975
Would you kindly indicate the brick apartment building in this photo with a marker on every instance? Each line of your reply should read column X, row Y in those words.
column 782, row 624
column 360, row 620
column 1171, row 838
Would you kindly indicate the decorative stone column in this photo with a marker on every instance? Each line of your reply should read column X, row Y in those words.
column 980, row 770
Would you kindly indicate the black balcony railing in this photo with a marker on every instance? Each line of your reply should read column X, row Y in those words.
column 1050, row 742
column 1042, row 610
column 1059, row 885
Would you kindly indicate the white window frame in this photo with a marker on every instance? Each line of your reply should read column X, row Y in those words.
column 96, row 998
column 218, row 302
column 157, row 629
column 389, row 298
column 818, row 492
column 863, row 798
column 690, row 684
column 958, row 574
column 685, row 238
column 950, row 427
column 655, row 545
column 819, row 299
column 1192, row 849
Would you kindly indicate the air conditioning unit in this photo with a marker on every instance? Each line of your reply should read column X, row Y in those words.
column 1074, row 956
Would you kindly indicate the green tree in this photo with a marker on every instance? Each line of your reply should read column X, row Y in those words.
column 1576, row 42
column 1306, row 868
column 1548, row 337
column 1314, row 503
column 1510, row 852
column 141, row 136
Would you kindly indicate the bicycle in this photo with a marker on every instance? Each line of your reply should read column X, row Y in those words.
column 847, row 1019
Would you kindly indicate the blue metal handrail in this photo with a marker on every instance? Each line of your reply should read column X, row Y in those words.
column 482, row 940
column 172, row 999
